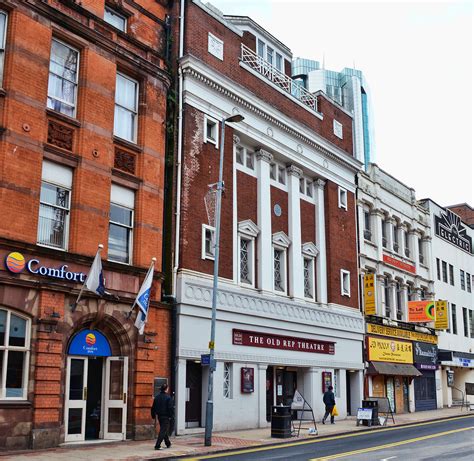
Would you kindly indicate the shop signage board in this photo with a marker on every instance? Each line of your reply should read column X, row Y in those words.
column 289, row 343
column 441, row 317
column 91, row 343
column 421, row 311
column 394, row 332
column 391, row 261
column 449, row 227
column 16, row 263
column 389, row 350
column 425, row 355
column 369, row 294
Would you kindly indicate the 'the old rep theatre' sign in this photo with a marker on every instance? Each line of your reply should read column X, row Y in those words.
column 290, row 343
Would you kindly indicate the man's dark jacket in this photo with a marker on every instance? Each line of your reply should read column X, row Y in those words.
column 162, row 406
column 328, row 399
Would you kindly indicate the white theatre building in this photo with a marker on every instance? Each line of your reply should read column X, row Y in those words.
column 288, row 313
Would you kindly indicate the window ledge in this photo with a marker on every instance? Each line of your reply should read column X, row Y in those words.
column 15, row 404
column 63, row 118
column 127, row 144
column 369, row 242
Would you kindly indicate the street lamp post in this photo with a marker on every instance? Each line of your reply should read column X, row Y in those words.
column 220, row 186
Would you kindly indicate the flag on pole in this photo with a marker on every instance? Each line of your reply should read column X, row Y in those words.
column 143, row 299
column 95, row 281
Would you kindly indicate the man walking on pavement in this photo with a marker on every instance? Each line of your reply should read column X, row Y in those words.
column 330, row 402
column 163, row 408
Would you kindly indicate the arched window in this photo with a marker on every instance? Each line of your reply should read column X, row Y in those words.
column 14, row 355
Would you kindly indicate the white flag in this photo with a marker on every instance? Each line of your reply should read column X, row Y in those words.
column 143, row 299
column 95, row 279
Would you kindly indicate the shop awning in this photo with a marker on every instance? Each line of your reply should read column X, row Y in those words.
column 392, row 369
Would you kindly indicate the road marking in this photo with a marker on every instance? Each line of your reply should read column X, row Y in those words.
column 325, row 439
column 391, row 445
column 386, row 459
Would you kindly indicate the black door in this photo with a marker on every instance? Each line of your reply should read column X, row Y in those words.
column 269, row 392
column 425, row 391
column 194, row 394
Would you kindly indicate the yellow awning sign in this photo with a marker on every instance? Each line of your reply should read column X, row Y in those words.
column 369, row 294
column 389, row 350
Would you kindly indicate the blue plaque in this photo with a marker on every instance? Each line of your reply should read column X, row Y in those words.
column 90, row 343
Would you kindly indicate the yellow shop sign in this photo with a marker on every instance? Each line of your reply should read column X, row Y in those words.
column 394, row 332
column 389, row 350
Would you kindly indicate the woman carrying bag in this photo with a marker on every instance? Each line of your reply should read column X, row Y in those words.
column 330, row 401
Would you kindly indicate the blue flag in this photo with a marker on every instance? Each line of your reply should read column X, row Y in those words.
column 143, row 299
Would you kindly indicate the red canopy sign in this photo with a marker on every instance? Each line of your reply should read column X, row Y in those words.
column 289, row 343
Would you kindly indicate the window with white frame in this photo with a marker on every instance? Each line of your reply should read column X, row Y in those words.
column 386, row 293
column 310, row 253
column 410, row 292
column 421, row 252
column 248, row 232
column 367, row 225
column 246, row 159
column 342, row 194
column 399, row 301
column 279, row 62
column 273, row 169
column 395, row 238
column 451, row 274
column 468, row 282
column 63, row 77
column 261, row 48
column 14, row 355
column 463, row 279
column 119, row 21
column 278, row 173
column 211, row 131
column 208, row 242
column 337, row 128
column 3, row 34
column 227, row 380
column 122, row 204
column 407, row 243
column 268, row 54
column 55, row 205
column 308, row 277
column 126, row 108
column 281, row 174
column 281, row 242
column 345, row 283
column 306, row 187
column 384, row 233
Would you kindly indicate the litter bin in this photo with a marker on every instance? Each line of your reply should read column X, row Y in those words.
column 281, row 422
column 374, row 404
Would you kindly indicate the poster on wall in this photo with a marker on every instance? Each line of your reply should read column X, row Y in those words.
column 246, row 380
column 327, row 380
column 450, row 378
column 369, row 294
column 421, row 311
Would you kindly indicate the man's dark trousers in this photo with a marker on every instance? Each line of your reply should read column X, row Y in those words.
column 163, row 435
column 329, row 409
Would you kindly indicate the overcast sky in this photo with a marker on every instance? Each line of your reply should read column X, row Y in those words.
column 418, row 60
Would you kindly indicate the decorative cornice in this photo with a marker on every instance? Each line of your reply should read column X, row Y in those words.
column 264, row 155
column 320, row 183
column 249, row 228
column 198, row 292
column 310, row 249
column 281, row 239
column 251, row 107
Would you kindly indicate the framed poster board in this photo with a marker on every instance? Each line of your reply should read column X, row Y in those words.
column 327, row 380
column 247, row 380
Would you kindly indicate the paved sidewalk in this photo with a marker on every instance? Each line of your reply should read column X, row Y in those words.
column 193, row 445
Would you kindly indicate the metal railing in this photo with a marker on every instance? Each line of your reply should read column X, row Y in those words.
column 51, row 232
column 271, row 73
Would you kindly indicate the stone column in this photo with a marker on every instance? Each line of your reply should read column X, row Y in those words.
column 379, row 295
column 321, row 273
column 264, row 216
column 414, row 249
column 295, row 260
column 389, row 233
column 404, row 300
column 428, row 262
column 181, row 397
column 311, row 381
column 393, row 299
column 262, row 395
column 411, row 396
column 377, row 230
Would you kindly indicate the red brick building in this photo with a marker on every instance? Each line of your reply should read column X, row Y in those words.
column 82, row 149
column 288, row 307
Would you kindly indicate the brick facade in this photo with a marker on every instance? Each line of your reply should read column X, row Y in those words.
column 86, row 144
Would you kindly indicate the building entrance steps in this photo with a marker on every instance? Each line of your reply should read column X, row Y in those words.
column 193, row 445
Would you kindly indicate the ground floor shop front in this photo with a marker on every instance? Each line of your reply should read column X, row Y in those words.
column 263, row 357
column 75, row 375
column 457, row 377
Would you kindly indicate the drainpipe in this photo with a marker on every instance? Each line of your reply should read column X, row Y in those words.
column 180, row 151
